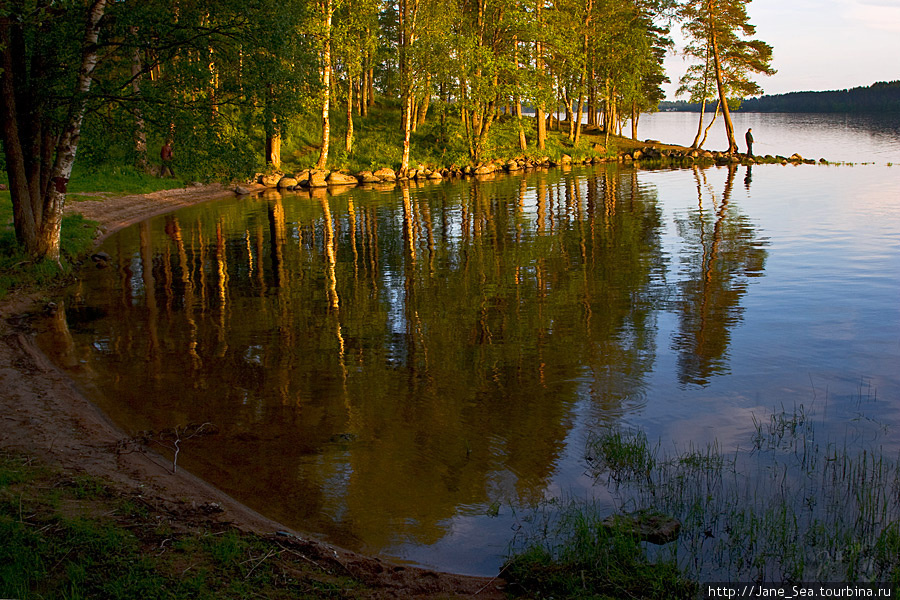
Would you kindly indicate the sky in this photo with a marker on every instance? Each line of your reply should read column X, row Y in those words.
column 818, row 44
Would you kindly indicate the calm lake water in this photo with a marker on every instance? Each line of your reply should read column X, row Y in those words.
column 405, row 371
column 854, row 138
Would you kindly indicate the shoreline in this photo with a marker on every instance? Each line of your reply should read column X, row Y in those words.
column 46, row 416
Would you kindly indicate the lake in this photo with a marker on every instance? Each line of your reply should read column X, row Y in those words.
column 406, row 371
column 853, row 138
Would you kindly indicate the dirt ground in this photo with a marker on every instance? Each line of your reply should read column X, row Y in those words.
column 42, row 413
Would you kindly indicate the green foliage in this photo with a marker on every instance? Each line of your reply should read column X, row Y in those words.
column 91, row 544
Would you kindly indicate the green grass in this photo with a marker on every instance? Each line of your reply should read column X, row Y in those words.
column 789, row 507
column 74, row 537
column 117, row 180
column 17, row 269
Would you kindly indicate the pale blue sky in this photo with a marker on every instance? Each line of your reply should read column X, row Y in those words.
column 820, row 44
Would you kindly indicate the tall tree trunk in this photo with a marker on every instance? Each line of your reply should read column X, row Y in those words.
column 328, row 13
column 708, row 127
column 720, row 84
column 696, row 142
column 348, row 141
column 517, row 102
column 407, row 131
column 540, row 115
column 424, row 103
column 38, row 195
column 580, row 102
column 634, row 119
column 273, row 149
column 140, row 133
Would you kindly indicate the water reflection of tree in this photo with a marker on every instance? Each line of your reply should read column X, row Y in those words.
column 721, row 252
column 373, row 364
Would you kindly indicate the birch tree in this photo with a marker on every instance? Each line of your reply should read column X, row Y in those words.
column 42, row 112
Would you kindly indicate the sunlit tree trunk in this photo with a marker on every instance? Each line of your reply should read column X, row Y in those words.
column 327, row 13
column 348, row 141
column 273, row 149
column 720, row 84
column 38, row 193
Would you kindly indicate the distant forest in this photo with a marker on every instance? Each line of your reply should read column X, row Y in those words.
column 883, row 96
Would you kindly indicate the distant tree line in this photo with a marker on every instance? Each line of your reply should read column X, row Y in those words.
column 883, row 96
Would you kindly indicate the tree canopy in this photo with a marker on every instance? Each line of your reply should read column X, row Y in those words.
column 225, row 81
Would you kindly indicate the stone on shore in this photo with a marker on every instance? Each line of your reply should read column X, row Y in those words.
column 287, row 182
column 317, row 178
column 337, row 178
column 270, row 179
column 367, row 177
column 385, row 174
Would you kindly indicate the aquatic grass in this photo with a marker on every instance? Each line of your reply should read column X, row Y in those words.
column 581, row 557
column 623, row 455
column 790, row 507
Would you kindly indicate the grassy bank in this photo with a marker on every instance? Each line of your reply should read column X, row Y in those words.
column 790, row 507
column 74, row 536
column 18, row 270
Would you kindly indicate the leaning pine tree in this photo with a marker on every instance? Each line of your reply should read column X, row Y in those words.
column 722, row 27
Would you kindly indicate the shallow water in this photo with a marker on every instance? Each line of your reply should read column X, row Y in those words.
column 404, row 371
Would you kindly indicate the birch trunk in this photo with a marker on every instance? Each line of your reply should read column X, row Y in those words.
column 38, row 194
column 328, row 13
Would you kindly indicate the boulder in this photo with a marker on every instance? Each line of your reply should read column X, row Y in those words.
column 645, row 525
column 270, row 179
column 241, row 191
column 485, row 169
column 435, row 175
column 287, row 182
column 317, row 179
column 336, row 178
column 367, row 177
column 385, row 174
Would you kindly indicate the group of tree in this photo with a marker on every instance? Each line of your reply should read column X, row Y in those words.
column 218, row 76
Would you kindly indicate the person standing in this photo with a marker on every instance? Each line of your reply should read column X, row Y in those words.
column 165, row 154
column 749, row 137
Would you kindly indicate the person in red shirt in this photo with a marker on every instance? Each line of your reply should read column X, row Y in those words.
column 165, row 154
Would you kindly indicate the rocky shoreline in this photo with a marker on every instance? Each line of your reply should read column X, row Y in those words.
column 650, row 155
